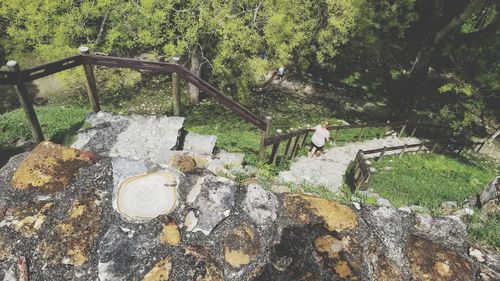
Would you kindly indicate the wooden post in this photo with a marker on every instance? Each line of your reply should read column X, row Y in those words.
column 413, row 132
column 25, row 100
column 434, row 148
column 91, row 86
column 385, row 129
column 361, row 133
column 287, row 147
column 265, row 135
column 403, row 151
column 274, row 153
column 295, row 147
column 176, row 89
column 336, row 135
column 481, row 146
column 403, row 129
column 305, row 136
column 382, row 152
column 420, row 148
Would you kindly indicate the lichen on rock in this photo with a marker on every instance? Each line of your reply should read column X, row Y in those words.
column 241, row 246
column 308, row 209
column 72, row 240
column 28, row 218
column 50, row 167
column 170, row 234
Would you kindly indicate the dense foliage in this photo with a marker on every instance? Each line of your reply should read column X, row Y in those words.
column 438, row 58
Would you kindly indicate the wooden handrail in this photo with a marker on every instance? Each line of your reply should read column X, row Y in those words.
column 243, row 112
column 281, row 137
column 185, row 74
column 379, row 150
column 47, row 69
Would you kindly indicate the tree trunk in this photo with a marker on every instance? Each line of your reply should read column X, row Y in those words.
column 430, row 48
column 194, row 92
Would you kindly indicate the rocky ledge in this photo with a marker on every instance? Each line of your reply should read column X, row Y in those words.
column 59, row 209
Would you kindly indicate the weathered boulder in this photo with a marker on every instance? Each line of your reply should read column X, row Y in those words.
column 490, row 192
column 450, row 231
column 260, row 205
column 199, row 143
column 183, row 163
column 431, row 261
column 214, row 202
column 489, row 262
column 120, row 255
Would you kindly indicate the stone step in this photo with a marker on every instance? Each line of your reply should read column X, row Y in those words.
column 329, row 169
column 140, row 137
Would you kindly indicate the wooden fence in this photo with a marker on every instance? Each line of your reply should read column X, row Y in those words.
column 361, row 170
column 294, row 139
column 19, row 77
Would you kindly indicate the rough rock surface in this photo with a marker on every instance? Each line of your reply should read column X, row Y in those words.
column 213, row 203
column 490, row 192
column 136, row 137
column 329, row 169
column 199, row 143
column 75, row 233
column 260, row 205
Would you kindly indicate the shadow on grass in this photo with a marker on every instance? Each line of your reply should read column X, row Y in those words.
column 65, row 136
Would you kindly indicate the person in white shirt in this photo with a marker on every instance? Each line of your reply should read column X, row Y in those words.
column 319, row 138
column 281, row 73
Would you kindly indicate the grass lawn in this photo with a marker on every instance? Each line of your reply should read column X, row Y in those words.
column 430, row 179
column 59, row 124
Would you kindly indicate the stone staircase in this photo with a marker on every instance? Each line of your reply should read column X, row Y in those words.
column 156, row 139
column 330, row 168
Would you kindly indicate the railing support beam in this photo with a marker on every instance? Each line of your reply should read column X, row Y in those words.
column 91, row 85
column 25, row 100
column 265, row 135
column 176, row 89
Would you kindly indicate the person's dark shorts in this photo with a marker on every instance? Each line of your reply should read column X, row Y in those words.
column 318, row 148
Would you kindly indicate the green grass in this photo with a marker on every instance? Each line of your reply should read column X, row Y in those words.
column 59, row 124
column 430, row 179
column 485, row 229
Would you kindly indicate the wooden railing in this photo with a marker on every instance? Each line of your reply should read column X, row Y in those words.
column 296, row 138
column 19, row 77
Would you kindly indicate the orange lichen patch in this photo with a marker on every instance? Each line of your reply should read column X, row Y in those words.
column 343, row 270
column 170, row 234
column 160, row 271
column 236, row 258
column 27, row 219
column 240, row 246
column 71, row 241
column 306, row 209
column 430, row 261
column 50, row 167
